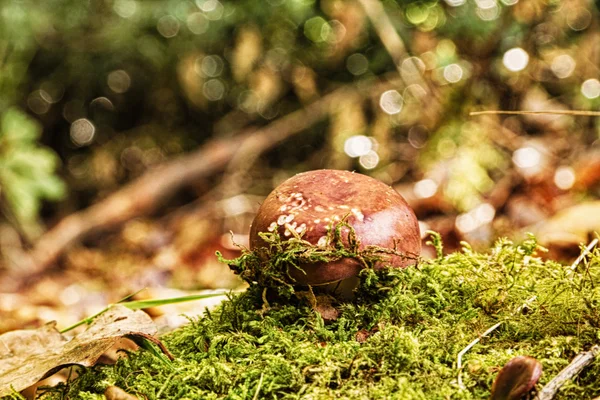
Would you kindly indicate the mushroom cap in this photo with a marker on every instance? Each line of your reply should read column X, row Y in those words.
column 311, row 202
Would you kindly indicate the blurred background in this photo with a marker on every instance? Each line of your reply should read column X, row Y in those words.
column 139, row 137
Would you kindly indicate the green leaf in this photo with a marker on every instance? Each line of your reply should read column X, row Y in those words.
column 18, row 127
column 28, row 170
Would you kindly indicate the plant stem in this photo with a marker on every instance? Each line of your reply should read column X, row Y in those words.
column 557, row 112
column 469, row 346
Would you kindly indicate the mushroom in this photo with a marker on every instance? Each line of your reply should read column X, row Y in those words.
column 311, row 203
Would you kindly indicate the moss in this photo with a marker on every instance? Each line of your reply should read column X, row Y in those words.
column 270, row 266
column 398, row 339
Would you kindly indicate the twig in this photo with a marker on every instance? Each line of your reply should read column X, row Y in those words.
column 557, row 112
column 385, row 30
column 583, row 254
column 574, row 368
column 145, row 193
column 389, row 37
column 459, row 365
column 255, row 397
column 396, row 48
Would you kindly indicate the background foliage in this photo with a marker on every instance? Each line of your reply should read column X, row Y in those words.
column 95, row 94
column 119, row 86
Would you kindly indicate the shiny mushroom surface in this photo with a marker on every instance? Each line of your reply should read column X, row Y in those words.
column 311, row 203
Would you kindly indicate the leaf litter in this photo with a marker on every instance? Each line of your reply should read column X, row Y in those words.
column 27, row 356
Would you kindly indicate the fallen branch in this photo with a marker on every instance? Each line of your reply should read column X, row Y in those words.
column 577, row 365
column 148, row 191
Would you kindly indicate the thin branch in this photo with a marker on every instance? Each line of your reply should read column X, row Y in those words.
column 574, row 368
column 390, row 39
column 459, row 365
column 384, row 28
column 557, row 112
column 583, row 254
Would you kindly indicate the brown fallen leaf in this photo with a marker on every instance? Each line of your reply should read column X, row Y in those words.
column 571, row 225
column 26, row 356
column 563, row 233
column 116, row 393
column 516, row 378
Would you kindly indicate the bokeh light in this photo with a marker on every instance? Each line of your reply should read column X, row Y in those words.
column 529, row 160
column 564, row 177
column 52, row 91
column 579, row 18
column 425, row 188
column 38, row 103
column 455, row 3
column 125, row 8
column 211, row 66
column 369, row 160
column 487, row 10
column 213, row 89
column 417, row 136
column 358, row 145
column 591, row 88
column 103, row 103
column 168, row 26
column 526, row 157
column 213, row 8
column 391, row 102
column 563, row 66
column 197, row 23
column 479, row 216
column 515, row 59
column 317, row 29
column 417, row 13
column 411, row 68
column 484, row 213
column 82, row 132
column 337, row 33
column 119, row 81
column 357, row 64
column 453, row 73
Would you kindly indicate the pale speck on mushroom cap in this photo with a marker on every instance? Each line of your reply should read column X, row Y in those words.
column 318, row 199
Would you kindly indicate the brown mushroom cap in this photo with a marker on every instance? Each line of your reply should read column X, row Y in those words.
column 311, row 201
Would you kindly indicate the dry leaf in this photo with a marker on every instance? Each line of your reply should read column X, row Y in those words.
column 26, row 356
column 116, row 393
column 570, row 226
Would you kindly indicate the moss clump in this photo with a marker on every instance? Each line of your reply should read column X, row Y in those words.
column 270, row 266
column 398, row 339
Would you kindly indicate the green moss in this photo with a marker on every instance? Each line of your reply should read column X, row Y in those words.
column 269, row 266
column 398, row 339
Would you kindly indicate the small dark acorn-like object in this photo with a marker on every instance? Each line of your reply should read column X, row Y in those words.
column 516, row 379
column 311, row 203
